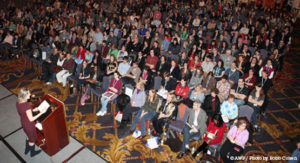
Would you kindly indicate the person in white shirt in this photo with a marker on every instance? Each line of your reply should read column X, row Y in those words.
column 207, row 65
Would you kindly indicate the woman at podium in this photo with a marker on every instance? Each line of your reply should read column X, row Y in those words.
column 28, row 120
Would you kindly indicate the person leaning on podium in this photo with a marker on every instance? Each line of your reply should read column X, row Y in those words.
column 28, row 120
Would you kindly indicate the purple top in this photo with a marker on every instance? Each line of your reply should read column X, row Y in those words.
column 138, row 97
column 241, row 138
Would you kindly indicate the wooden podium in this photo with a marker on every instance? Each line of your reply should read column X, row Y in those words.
column 54, row 135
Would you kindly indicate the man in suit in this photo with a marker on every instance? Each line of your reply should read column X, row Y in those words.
column 196, row 125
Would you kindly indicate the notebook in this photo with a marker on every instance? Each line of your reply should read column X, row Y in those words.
column 128, row 91
column 44, row 55
column 43, row 105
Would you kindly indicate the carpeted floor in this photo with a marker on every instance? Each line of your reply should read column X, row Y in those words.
column 277, row 136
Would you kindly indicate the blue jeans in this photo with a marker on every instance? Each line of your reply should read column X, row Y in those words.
column 239, row 102
column 78, row 69
column 52, row 78
column 147, row 116
column 254, row 115
column 104, row 102
column 186, row 137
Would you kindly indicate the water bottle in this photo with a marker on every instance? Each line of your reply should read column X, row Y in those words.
column 193, row 149
column 162, row 142
column 149, row 131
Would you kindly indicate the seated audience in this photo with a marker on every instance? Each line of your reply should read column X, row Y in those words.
column 137, row 101
column 163, row 114
column 229, row 109
column 240, row 92
column 124, row 66
column 85, row 73
column 182, row 89
column 219, row 70
column 196, row 125
column 196, row 78
column 212, row 103
column 224, row 88
column 147, row 112
column 237, row 137
column 111, row 93
column 214, row 133
column 233, row 74
column 132, row 75
column 67, row 70
column 209, row 83
column 256, row 100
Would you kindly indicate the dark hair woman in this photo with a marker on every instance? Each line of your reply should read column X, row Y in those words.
column 28, row 120
column 214, row 133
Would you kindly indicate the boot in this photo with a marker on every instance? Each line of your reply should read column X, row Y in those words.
column 123, row 124
column 34, row 152
column 201, row 148
column 74, row 92
column 27, row 148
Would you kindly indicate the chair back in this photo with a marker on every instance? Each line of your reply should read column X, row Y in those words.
column 264, row 53
column 157, row 82
column 252, row 50
column 105, row 83
column 246, row 111
column 183, row 112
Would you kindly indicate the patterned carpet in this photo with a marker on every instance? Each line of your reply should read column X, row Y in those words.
column 277, row 137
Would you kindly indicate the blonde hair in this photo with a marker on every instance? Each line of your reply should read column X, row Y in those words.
column 141, row 85
column 173, row 97
column 199, row 86
column 22, row 94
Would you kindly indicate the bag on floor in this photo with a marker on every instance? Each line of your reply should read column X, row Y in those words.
column 119, row 116
column 82, row 99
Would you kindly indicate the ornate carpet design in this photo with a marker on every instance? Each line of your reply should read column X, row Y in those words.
column 277, row 137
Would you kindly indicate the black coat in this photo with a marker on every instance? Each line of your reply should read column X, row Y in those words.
column 207, row 105
column 171, row 84
column 267, row 84
column 164, row 68
column 175, row 73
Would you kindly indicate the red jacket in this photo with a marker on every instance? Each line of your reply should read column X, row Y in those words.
column 180, row 91
column 253, row 81
column 212, row 129
column 81, row 53
column 192, row 65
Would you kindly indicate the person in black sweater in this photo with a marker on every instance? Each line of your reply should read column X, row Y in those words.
column 168, row 83
column 212, row 103
column 174, row 70
column 162, row 66
column 47, row 64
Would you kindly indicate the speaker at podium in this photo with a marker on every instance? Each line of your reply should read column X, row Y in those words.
column 51, row 126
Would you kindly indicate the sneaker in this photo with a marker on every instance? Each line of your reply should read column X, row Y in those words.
column 48, row 83
column 103, row 113
column 99, row 113
column 264, row 114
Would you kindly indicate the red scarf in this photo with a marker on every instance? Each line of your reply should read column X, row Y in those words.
column 81, row 53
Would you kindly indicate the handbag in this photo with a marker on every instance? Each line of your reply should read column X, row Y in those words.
column 56, row 69
column 119, row 116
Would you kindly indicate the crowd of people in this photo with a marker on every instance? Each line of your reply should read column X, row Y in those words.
column 213, row 56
